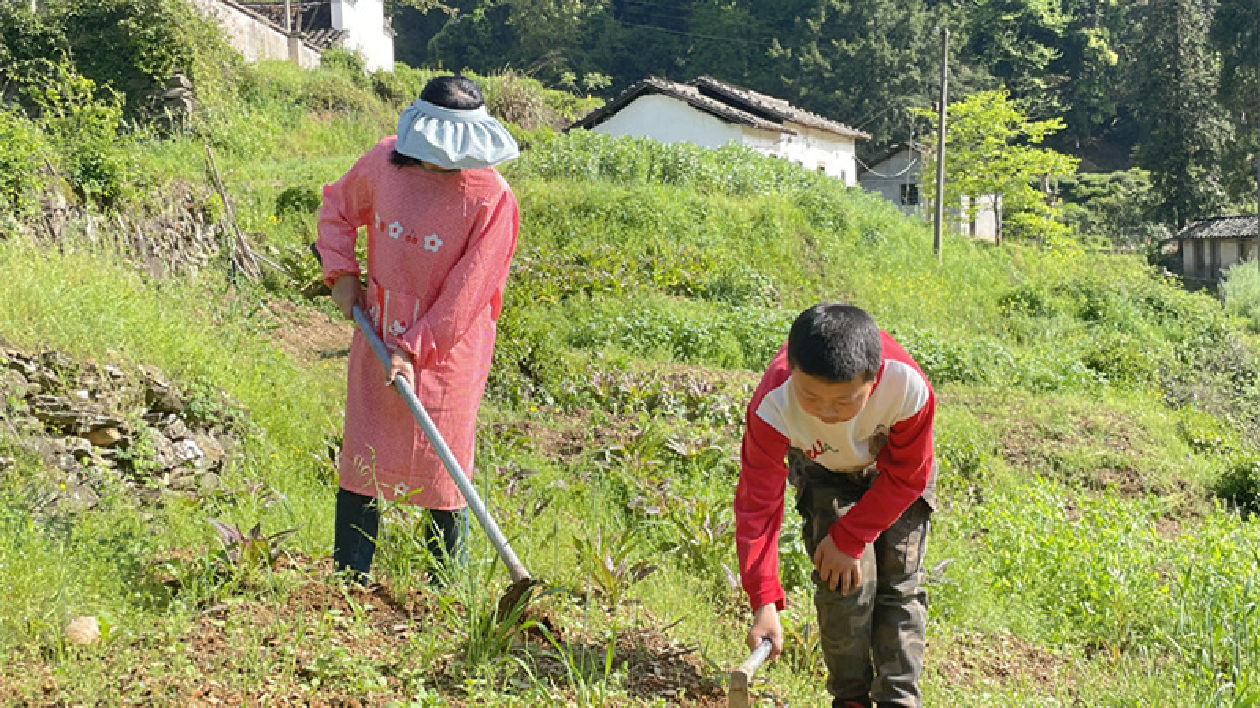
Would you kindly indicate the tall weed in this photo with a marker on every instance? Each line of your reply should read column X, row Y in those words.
column 1240, row 289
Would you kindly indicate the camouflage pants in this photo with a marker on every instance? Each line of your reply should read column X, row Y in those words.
column 873, row 639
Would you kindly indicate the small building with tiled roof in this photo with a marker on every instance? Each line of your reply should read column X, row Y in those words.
column 1209, row 246
column 711, row 113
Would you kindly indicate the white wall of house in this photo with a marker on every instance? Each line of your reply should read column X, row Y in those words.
column 669, row 121
column 367, row 31
column 255, row 38
column 1206, row 259
column 818, row 150
column 1193, row 258
column 897, row 180
column 1229, row 253
column 979, row 219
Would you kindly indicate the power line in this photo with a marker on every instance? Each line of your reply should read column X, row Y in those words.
column 907, row 168
column 623, row 23
column 665, row 11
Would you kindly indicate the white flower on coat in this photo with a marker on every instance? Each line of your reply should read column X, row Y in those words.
column 396, row 328
column 374, row 312
column 432, row 243
column 400, row 490
column 395, row 230
column 380, row 223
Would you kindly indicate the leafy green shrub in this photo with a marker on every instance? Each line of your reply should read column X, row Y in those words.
column 1240, row 485
column 400, row 86
column 298, row 200
column 1121, row 357
column 25, row 35
column 21, row 150
column 136, row 46
column 331, row 90
column 82, row 124
column 344, row 61
column 526, row 102
column 1033, row 299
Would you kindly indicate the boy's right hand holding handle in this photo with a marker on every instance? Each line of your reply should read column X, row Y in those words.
column 766, row 626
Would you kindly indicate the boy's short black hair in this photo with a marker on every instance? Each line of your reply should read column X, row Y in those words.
column 835, row 342
column 456, row 92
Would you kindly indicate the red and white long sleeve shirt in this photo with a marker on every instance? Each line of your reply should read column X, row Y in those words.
column 901, row 406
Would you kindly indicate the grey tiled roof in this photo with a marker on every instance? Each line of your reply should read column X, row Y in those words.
column 312, row 19
column 725, row 101
column 773, row 108
column 1221, row 227
column 913, row 146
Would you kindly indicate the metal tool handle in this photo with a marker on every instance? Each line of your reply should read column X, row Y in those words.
column 514, row 567
column 745, row 671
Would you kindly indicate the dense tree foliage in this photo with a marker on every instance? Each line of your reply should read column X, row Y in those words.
column 1133, row 82
column 992, row 149
column 1184, row 129
column 1236, row 34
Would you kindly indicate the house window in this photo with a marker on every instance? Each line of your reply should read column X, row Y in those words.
column 910, row 195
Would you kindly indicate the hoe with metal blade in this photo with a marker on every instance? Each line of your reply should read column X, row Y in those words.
column 517, row 595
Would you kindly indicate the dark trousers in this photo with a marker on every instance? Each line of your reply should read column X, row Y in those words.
column 873, row 639
column 358, row 521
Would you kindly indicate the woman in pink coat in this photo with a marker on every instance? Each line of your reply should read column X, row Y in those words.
column 441, row 228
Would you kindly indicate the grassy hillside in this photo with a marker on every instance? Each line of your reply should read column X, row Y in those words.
column 1097, row 431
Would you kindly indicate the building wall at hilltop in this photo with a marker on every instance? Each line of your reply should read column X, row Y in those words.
column 367, row 31
column 825, row 152
column 669, row 121
column 253, row 36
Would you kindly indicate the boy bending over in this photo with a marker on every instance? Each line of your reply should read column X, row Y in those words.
column 845, row 415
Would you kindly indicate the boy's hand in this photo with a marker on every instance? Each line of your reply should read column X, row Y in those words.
column 346, row 292
column 766, row 626
column 836, row 567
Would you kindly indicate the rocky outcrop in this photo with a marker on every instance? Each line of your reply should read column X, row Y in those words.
column 99, row 427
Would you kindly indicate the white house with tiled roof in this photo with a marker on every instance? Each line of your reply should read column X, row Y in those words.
column 712, row 113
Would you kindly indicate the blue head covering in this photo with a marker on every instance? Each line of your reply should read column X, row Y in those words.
column 453, row 139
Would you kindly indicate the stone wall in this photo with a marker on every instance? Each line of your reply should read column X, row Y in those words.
column 98, row 428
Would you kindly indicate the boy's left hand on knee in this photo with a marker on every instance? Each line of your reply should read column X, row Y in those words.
column 837, row 568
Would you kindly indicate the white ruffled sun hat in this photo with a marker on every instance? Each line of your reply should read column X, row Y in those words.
column 453, row 139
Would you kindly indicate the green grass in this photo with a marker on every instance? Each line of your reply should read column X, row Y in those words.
column 1089, row 413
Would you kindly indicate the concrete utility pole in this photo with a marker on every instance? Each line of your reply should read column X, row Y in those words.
column 940, row 146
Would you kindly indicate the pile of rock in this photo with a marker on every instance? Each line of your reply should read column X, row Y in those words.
column 176, row 235
column 99, row 426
